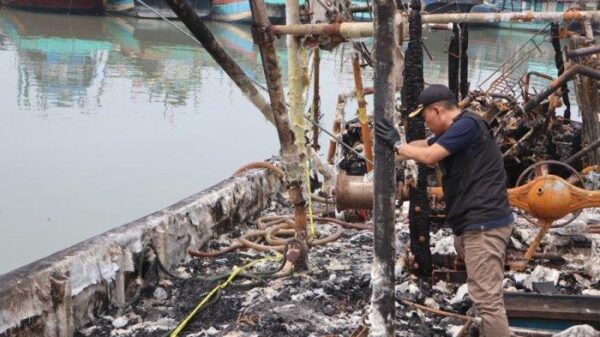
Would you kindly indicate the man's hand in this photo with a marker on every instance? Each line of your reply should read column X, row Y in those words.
column 387, row 133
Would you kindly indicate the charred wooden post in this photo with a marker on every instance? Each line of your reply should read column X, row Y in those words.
column 383, row 313
column 464, row 60
column 188, row 16
column 316, row 101
column 362, row 112
column 560, row 66
column 415, row 129
column 265, row 39
column 453, row 60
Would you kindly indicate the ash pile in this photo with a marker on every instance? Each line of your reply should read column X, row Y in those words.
column 332, row 298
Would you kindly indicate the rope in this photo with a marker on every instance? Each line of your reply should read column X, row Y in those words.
column 234, row 272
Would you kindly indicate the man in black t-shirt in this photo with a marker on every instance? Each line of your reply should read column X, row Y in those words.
column 474, row 184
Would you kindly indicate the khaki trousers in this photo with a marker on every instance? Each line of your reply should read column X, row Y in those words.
column 483, row 252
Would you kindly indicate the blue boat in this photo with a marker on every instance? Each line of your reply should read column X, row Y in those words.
column 238, row 11
column 440, row 6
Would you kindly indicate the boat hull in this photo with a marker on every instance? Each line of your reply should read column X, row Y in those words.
column 94, row 7
column 440, row 7
column 236, row 11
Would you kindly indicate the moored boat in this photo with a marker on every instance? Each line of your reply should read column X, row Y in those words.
column 238, row 11
column 59, row 6
column 437, row 6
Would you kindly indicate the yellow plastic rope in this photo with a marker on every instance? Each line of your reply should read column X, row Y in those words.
column 234, row 272
column 310, row 210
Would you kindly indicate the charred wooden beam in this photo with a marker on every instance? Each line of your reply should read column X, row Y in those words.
column 382, row 315
column 560, row 66
column 464, row 60
column 453, row 60
column 316, row 101
column 188, row 16
column 415, row 129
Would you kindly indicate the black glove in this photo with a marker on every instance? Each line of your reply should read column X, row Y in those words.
column 386, row 133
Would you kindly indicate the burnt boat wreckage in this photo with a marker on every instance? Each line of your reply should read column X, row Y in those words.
column 261, row 253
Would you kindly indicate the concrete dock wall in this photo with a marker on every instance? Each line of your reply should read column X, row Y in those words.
column 58, row 294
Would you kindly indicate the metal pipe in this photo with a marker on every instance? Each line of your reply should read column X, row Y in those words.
column 201, row 32
column 558, row 83
column 363, row 118
column 287, row 138
column 525, row 17
column 583, row 152
column 527, row 79
column 583, row 51
column 350, row 30
column 383, row 311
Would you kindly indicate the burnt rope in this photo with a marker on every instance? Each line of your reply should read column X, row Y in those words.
column 260, row 85
column 272, row 228
column 235, row 271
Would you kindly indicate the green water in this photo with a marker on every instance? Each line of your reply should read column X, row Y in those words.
column 107, row 119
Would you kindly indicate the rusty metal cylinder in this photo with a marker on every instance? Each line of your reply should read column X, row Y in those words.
column 353, row 192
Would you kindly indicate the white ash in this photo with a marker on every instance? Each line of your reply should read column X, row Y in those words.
column 591, row 292
column 579, row 331
column 442, row 287
column 444, row 246
column 160, row 294
column 460, row 294
column 120, row 322
column 541, row 274
column 161, row 324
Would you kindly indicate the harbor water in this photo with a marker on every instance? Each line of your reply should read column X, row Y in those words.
column 106, row 119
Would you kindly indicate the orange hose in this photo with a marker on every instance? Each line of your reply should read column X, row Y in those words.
column 259, row 165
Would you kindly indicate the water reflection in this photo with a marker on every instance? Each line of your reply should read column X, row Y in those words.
column 64, row 60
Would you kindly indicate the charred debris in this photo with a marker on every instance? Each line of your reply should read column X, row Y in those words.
column 329, row 259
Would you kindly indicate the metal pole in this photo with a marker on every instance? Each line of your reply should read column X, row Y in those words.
column 362, row 112
column 191, row 20
column 287, row 138
column 383, row 313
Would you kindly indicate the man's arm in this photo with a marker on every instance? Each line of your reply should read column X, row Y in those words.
column 428, row 155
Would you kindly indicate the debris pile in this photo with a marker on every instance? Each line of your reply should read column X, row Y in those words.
column 332, row 297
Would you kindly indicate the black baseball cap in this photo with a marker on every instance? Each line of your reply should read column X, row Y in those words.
column 433, row 94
